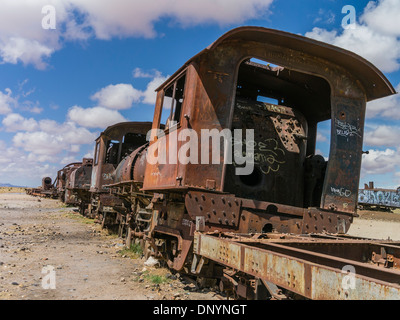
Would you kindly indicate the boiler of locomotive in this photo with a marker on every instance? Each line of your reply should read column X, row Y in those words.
column 132, row 167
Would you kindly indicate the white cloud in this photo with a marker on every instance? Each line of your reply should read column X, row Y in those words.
column 382, row 135
column 6, row 101
column 39, row 142
column 149, row 95
column 88, row 155
column 383, row 16
column 69, row 159
column 326, row 17
column 373, row 37
column 27, row 51
column 75, row 148
column 387, row 107
column 36, row 110
column 139, row 73
column 22, row 38
column 10, row 101
column 35, row 158
column 53, row 138
column 19, row 168
column 380, row 162
column 15, row 122
column 76, row 32
column 97, row 117
column 119, row 96
column 123, row 96
column 321, row 137
column 137, row 18
column 34, row 153
column 8, row 154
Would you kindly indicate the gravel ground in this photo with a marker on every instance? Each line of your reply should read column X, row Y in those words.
column 87, row 262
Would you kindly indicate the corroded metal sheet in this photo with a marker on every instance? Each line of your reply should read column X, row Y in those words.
column 311, row 274
column 222, row 209
column 227, row 253
column 286, row 271
column 330, row 284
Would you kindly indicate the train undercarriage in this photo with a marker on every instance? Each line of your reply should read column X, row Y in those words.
column 264, row 264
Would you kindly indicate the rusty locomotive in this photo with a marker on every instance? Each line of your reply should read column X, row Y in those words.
column 193, row 214
column 46, row 190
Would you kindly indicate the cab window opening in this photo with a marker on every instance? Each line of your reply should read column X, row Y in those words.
column 172, row 102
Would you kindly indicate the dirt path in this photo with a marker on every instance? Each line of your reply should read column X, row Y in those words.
column 40, row 235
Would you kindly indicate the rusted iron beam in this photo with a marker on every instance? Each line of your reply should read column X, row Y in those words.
column 313, row 275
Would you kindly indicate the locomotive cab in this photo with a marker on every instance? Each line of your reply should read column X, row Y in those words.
column 282, row 107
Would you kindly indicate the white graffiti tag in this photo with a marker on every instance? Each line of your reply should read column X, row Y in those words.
column 345, row 129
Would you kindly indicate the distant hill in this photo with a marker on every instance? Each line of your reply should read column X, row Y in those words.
column 8, row 185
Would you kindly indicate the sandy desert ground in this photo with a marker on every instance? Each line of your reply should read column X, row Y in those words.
column 89, row 263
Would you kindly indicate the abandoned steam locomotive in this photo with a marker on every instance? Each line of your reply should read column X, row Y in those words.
column 279, row 87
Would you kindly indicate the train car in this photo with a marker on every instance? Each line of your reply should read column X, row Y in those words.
column 277, row 87
column 47, row 189
column 63, row 175
column 78, row 185
column 113, row 146
column 378, row 198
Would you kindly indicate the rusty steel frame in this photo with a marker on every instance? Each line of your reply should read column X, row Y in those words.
column 291, row 265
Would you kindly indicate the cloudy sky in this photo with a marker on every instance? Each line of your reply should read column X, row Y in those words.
column 59, row 88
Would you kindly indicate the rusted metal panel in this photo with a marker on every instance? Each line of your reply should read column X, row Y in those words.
column 328, row 285
column 227, row 253
column 285, row 271
column 306, row 272
column 215, row 208
column 279, row 154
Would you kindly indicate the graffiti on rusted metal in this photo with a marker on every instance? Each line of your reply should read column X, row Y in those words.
column 387, row 198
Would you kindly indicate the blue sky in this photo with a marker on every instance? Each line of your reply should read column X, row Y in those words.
column 59, row 88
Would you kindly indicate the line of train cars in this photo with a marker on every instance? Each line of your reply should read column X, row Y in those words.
column 291, row 189
column 71, row 185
